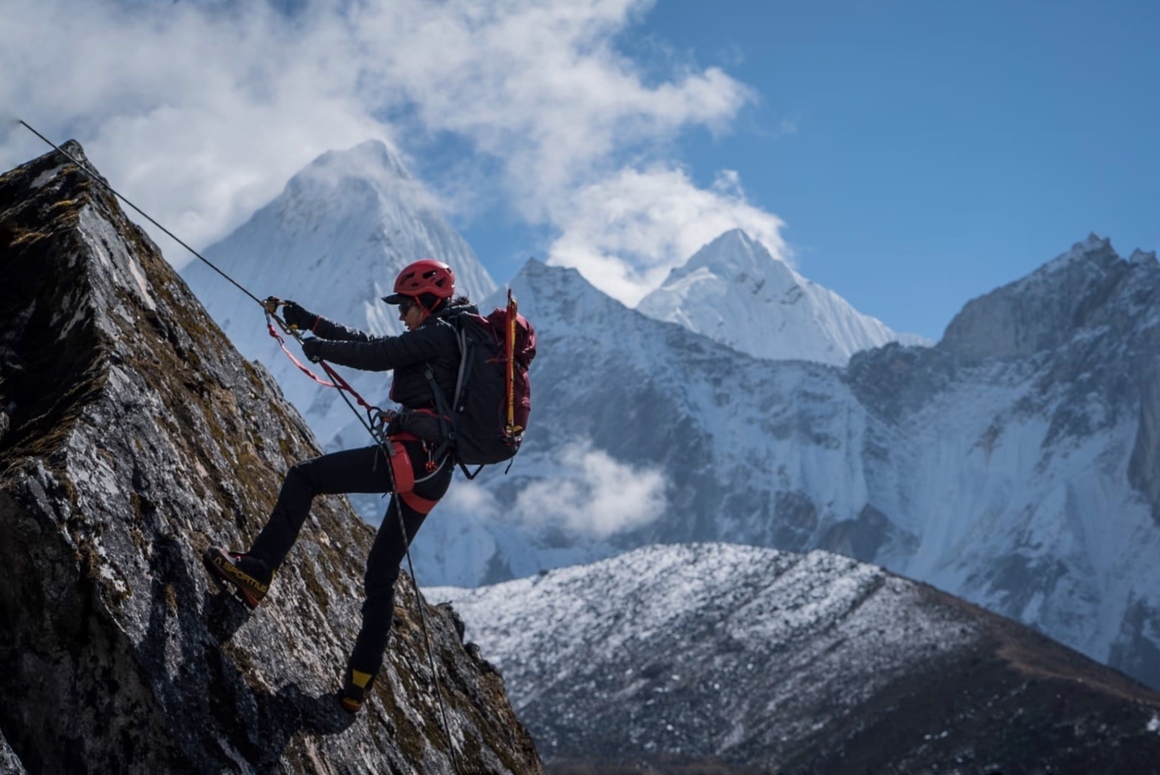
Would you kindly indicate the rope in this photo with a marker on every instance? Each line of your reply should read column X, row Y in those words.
column 269, row 306
column 144, row 214
column 422, row 614
column 382, row 440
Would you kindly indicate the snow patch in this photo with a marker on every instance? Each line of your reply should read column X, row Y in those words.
column 44, row 177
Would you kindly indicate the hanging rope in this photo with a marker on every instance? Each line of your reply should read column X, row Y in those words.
column 374, row 414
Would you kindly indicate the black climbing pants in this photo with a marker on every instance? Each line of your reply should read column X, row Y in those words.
column 363, row 471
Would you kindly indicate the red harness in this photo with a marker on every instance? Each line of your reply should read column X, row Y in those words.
column 404, row 474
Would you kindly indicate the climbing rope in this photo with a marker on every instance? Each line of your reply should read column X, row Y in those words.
column 374, row 415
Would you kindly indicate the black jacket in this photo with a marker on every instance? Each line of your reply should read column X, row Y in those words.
column 435, row 342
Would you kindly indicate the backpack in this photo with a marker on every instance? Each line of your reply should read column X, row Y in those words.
column 485, row 422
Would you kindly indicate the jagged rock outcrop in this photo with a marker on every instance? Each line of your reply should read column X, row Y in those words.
column 133, row 436
column 1042, row 310
column 9, row 761
column 727, row 659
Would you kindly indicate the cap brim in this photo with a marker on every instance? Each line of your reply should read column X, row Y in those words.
column 395, row 298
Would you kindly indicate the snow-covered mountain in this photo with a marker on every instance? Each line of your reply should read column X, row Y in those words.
column 734, row 292
column 333, row 240
column 778, row 662
column 1014, row 464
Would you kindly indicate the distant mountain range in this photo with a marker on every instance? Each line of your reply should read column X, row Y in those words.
column 1014, row 463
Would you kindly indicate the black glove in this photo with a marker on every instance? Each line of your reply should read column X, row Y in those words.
column 295, row 315
column 312, row 348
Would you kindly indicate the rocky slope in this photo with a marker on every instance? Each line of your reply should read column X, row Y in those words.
column 723, row 658
column 133, row 436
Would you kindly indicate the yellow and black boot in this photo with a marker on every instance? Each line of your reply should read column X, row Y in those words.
column 356, row 687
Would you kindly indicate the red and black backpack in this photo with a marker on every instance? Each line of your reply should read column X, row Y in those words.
column 486, row 420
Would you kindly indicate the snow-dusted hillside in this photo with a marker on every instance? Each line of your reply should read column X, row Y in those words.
column 333, row 240
column 734, row 292
column 792, row 663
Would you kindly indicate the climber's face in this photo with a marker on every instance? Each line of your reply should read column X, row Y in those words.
column 411, row 314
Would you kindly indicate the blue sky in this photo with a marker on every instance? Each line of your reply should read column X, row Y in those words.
column 909, row 155
column 924, row 153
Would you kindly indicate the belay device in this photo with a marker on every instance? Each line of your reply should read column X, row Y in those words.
column 485, row 422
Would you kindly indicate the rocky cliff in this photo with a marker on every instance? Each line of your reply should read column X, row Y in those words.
column 133, row 436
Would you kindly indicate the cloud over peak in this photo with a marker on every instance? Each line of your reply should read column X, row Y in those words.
column 202, row 111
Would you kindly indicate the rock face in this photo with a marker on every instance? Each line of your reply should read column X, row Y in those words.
column 9, row 761
column 133, row 436
column 721, row 658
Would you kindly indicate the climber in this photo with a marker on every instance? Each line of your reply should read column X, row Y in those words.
column 415, row 459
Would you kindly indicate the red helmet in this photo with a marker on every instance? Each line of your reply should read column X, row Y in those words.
column 424, row 276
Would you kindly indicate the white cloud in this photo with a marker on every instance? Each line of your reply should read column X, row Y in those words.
column 588, row 494
column 468, row 497
column 593, row 495
column 200, row 112
column 197, row 114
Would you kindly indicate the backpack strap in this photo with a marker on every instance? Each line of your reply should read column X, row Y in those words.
column 446, row 426
column 442, row 410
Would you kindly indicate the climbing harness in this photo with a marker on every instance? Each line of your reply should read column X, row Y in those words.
column 375, row 421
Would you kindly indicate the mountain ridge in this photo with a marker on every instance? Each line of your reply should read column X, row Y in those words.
column 759, row 660
column 1024, row 483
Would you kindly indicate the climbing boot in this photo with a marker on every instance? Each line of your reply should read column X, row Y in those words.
column 356, row 686
column 250, row 577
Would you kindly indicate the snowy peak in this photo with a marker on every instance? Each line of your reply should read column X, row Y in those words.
column 333, row 241
column 1086, row 287
column 735, row 292
column 564, row 291
column 372, row 155
column 1142, row 257
column 359, row 179
column 733, row 255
